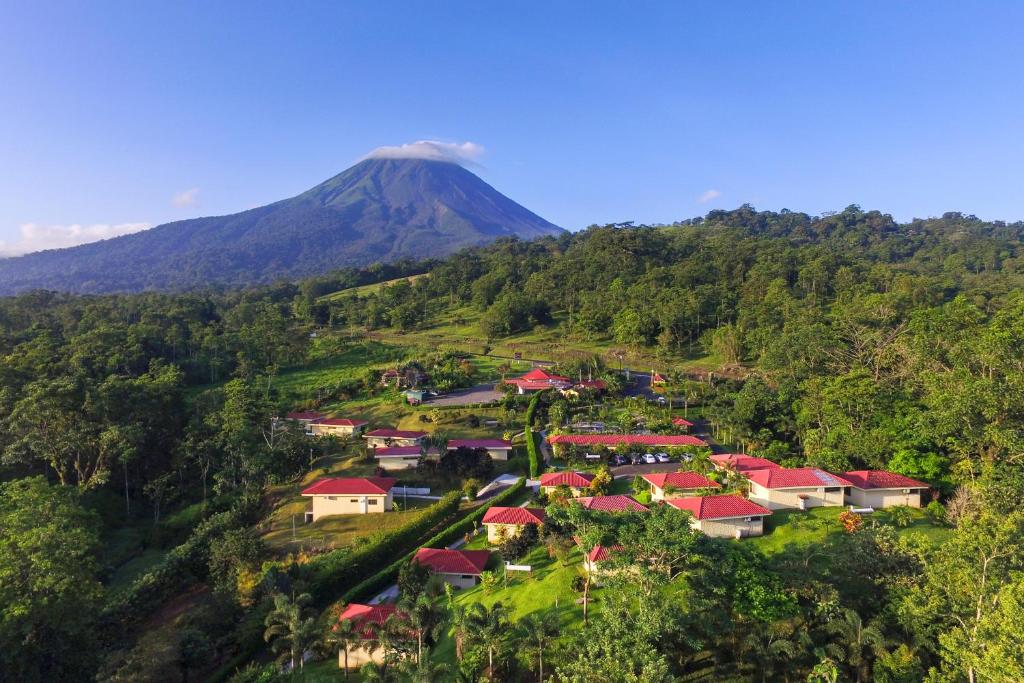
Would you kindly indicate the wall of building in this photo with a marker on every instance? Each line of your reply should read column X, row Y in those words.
column 659, row 494
column 884, row 498
column 358, row 656
column 726, row 528
column 336, row 430
column 397, row 463
column 349, row 505
column 780, row 499
column 495, row 532
column 384, row 442
column 460, row 581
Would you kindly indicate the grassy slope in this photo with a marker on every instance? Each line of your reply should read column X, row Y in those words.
column 363, row 290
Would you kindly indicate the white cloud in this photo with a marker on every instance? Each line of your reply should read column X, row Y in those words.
column 186, row 197
column 36, row 237
column 433, row 150
column 707, row 195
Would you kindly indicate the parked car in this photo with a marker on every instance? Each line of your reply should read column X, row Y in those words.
column 617, row 460
column 636, row 459
column 649, row 459
column 662, row 457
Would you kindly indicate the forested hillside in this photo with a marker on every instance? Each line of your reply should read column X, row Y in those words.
column 136, row 428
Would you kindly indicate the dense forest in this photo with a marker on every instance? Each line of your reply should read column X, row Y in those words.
column 843, row 341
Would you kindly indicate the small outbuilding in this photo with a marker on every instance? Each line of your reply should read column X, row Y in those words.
column 724, row 516
column 459, row 568
column 882, row 489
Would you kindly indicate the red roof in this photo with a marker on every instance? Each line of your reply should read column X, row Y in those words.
column 542, row 375
column 537, row 384
column 395, row 434
column 500, row 515
column 719, row 507
column 341, row 422
column 656, row 378
column 304, row 415
column 453, row 561
column 631, row 439
column 680, row 422
column 369, row 617
column 800, row 477
column 881, row 479
column 618, row 503
column 681, row 480
column 743, row 463
column 478, row 443
column 368, row 486
column 600, row 553
column 598, row 384
column 397, row 452
column 579, row 480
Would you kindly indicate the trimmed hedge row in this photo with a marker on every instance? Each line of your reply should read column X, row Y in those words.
column 531, row 440
column 386, row 576
column 336, row 572
column 183, row 565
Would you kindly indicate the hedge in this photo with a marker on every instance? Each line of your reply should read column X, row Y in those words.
column 337, row 571
column 531, row 440
column 386, row 576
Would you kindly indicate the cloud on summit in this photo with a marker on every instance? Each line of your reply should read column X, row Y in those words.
column 36, row 237
column 464, row 153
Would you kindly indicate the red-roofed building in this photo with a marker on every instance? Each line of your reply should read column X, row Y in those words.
column 724, row 516
column 498, row 449
column 597, row 555
column 383, row 438
column 882, row 489
column 460, row 568
column 560, row 441
column 678, row 483
column 682, row 423
column 800, row 488
column 305, row 417
column 578, row 482
column 616, row 503
column 502, row 522
column 738, row 462
column 398, row 457
column 337, row 426
column 595, row 384
column 367, row 619
column 539, row 379
column 348, row 496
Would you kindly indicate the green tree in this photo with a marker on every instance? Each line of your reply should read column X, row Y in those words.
column 291, row 629
column 539, row 630
column 489, row 629
column 856, row 642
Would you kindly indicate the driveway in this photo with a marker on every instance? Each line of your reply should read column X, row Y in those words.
column 481, row 393
column 633, row 470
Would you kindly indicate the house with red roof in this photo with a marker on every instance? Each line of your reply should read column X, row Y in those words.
column 367, row 620
column 539, row 379
column 398, row 457
column 578, row 482
column 337, row 426
column 677, row 484
column 615, row 503
column 498, row 449
column 739, row 462
column 597, row 555
column 503, row 523
column 801, row 488
column 682, row 423
column 460, row 568
column 725, row 516
column 304, row 417
column 348, row 496
column 561, row 442
column 882, row 489
column 385, row 438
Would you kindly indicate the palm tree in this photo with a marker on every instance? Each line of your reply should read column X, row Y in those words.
column 426, row 616
column 343, row 636
column 489, row 628
column 768, row 647
column 856, row 641
column 540, row 629
column 291, row 628
column 424, row 670
column 460, row 626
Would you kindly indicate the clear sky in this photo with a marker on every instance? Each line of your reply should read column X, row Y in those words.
column 120, row 114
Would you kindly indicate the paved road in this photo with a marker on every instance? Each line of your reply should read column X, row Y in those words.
column 481, row 393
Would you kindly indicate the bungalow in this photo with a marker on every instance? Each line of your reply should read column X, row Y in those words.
column 598, row 554
column 597, row 385
column 630, row 440
column 348, row 496
column 881, row 489
column 577, row 482
column 305, row 417
column 460, row 568
column 337, row 426
column 616, row 503
column 682, row 423
column 398, row 457
column 738, row 462
column 498, row 449
column 366, row 619
column 657, row 379
column 801, row 488
column 538, row 379
column 504, row 522
column 681, row 483
column 393, row 437
column 724, row 516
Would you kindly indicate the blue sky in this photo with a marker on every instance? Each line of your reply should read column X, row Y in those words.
column 116, row 115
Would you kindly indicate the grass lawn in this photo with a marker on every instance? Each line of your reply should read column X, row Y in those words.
column 126, row 574
column 364, row 290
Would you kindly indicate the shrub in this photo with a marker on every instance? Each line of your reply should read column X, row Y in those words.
column 936, row 512
column 531, row 439
column 850, row 521
column 901, row 515
column 518, row 545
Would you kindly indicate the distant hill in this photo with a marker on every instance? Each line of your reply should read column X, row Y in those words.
column 378, row 210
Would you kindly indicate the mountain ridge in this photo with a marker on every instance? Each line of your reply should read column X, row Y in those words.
column 378, row 210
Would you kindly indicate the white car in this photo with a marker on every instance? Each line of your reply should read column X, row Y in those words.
column 663, row 457
column 649, row 459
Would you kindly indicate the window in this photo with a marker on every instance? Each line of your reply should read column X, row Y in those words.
column 465, row 576
column 833, row 489
column 372, row 501
column 332, row 498
column 353, row 500
column 748, row 519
